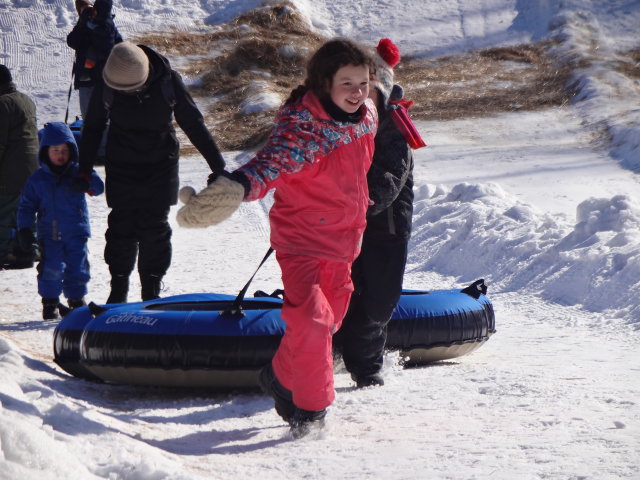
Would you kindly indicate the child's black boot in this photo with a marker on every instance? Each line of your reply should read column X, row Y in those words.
column 50, row 308
column 119, row 289
column 76, row 303
column 282, row 396
column 306, row 421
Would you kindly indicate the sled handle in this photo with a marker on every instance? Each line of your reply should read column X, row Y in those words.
column 235, row 310
column 476, row 289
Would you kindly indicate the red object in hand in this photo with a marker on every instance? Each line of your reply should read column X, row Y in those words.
column 82, row 184
column 409, row 131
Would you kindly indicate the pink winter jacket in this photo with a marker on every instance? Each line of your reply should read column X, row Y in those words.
column 318, row 167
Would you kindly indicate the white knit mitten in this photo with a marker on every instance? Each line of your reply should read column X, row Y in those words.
column 212, row 205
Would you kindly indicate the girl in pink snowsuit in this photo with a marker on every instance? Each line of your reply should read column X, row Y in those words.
column 317, row 159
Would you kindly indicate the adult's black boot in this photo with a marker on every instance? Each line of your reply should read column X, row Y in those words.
column 119, row 289
column 150, row 286
column 370, row 380
column 50, row 308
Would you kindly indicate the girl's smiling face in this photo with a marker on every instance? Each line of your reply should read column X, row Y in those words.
column 350, row 87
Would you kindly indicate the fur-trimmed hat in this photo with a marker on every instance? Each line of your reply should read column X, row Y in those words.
column 212, row 205
column 5, row 75
column 127, row 67
column 385, row 56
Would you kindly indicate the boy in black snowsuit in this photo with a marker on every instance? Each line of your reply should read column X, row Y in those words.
column 378, row 272
column 92, row 38
column 140, row 95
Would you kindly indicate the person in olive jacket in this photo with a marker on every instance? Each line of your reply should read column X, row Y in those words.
column 18, row 160
column 139, row 95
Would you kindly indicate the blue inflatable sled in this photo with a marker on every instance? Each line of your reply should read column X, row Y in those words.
column 206, row 340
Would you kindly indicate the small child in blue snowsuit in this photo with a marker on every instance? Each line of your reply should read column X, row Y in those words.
column 62, row 220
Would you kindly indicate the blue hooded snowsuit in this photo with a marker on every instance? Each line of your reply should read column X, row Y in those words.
column 62, row 217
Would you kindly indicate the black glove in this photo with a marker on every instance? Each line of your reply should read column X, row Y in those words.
column 236, row 176
column 81, row 184
column 242, row 179
column 212, row 177
column 26, row 240
column 87, row 14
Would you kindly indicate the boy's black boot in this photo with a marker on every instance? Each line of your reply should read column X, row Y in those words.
column 50, row 308
column 76, row 302
column 150, row 286
column 283, row 397
column 306, row 421
column 119, row 289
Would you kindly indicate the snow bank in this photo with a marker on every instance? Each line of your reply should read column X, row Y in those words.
column 597, row 45
column 473, row 231
column 42, row 437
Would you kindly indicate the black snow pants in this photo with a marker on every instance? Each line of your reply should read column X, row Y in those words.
column 138, row 232
column 377, row 276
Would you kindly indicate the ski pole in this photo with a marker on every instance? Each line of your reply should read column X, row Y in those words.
column 66, row 115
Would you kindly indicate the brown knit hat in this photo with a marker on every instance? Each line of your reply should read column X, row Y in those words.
column 127, row 67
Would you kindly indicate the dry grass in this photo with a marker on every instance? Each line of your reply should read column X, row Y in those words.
column 177, row 43
column 271, row 44
column 484, row 82
column 631, row 65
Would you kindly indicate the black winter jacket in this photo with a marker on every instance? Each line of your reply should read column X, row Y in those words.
column 18, row 139
column 92, row 39
column 142, row 150
column 390, row 178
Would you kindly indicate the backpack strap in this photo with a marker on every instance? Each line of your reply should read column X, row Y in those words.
column 107, row 98
column 168, row 92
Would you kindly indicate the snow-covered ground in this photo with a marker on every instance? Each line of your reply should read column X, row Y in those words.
column 534, row 202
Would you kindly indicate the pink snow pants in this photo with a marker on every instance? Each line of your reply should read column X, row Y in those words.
column 317, row 293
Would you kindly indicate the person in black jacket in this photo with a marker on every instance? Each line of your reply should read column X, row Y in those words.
column 378, row 272
column 92, row 38
column 140, row 95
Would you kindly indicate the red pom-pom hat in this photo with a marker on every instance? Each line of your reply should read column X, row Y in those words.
column 389, row 52
column 385, row 56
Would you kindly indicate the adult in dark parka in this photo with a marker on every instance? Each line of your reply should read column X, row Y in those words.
column 141, row 165
column 18, row 160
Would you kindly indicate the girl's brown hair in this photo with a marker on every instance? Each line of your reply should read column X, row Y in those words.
column 324, row 64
